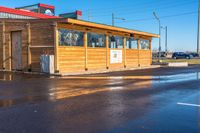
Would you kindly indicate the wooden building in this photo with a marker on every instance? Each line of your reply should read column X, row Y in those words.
column 77, row 46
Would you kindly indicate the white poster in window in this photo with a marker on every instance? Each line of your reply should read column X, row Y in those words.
column 115, row 56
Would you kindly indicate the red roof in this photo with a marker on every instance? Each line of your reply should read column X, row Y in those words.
column 46, row 6
column 25, row 13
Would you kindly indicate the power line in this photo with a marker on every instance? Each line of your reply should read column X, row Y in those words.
column 167, row 16
column 135, row 6
column 136, row 12
column 141, row 8
column 164, row 7
column 161, row 17
column 117, row 7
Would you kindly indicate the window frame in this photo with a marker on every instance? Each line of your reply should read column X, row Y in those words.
column 146, row 45
column 95, row 46
column 130, row 46
column 80, row 40
column 116, row 47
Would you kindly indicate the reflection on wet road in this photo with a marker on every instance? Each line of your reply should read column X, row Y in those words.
column 132, row 101
column 18, row 92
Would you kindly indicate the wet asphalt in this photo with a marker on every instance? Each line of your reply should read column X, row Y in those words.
column 139, row 101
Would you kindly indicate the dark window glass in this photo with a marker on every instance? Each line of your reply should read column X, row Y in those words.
column 96, row 40
column 115, row 42
column 70, row 38
column 131, row 43
column 144, row 44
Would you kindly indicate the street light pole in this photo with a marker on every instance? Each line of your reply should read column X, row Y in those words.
column 198, row 33
column 166, row 35
column 157, row 18
column 113, row 19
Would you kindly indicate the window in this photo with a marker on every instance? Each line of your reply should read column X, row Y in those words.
column 131, row 43
column 96, row 40
column 70, row 38
column 144, row 44
column 115, row 42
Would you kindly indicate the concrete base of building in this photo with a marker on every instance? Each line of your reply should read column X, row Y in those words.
column 107, row 71
column 23, row 72
column 83, row 73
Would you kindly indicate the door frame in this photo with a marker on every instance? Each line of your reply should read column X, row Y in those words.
column 11, row 44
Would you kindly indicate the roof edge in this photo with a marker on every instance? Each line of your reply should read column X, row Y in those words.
column 104, row 26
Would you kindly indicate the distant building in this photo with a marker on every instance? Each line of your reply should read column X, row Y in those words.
column 24, row 13
column 74, row 15
column 41, row 11
column 40, row 8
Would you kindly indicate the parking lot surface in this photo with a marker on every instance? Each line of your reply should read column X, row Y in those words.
column 160, row 100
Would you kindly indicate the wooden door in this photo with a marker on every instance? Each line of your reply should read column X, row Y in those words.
column 16, row 50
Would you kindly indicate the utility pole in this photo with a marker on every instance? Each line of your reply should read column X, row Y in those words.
column 89, row 15
column 198, row 34
column 159, row 24
column 166, row 41
column 113, row 19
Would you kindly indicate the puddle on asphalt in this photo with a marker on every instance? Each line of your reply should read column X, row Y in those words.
column 177, row 78
column 6, row 77
column 62, row 88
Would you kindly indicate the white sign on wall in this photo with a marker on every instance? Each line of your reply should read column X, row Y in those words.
column 115, row 56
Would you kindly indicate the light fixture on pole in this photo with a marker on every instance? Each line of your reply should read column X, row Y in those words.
column 157, row 18
column 113, row 19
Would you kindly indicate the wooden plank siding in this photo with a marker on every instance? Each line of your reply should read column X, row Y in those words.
column 41, row 37
column 132, row 58
column 76, row 59
column 1, row 46
column 71, row 59
column 42, row 34
column 40, row 42
column 9, row 28
column 35, row 57
column 96, row 58
column 145, row 58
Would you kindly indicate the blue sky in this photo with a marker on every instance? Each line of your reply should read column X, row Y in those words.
column 179, row 15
